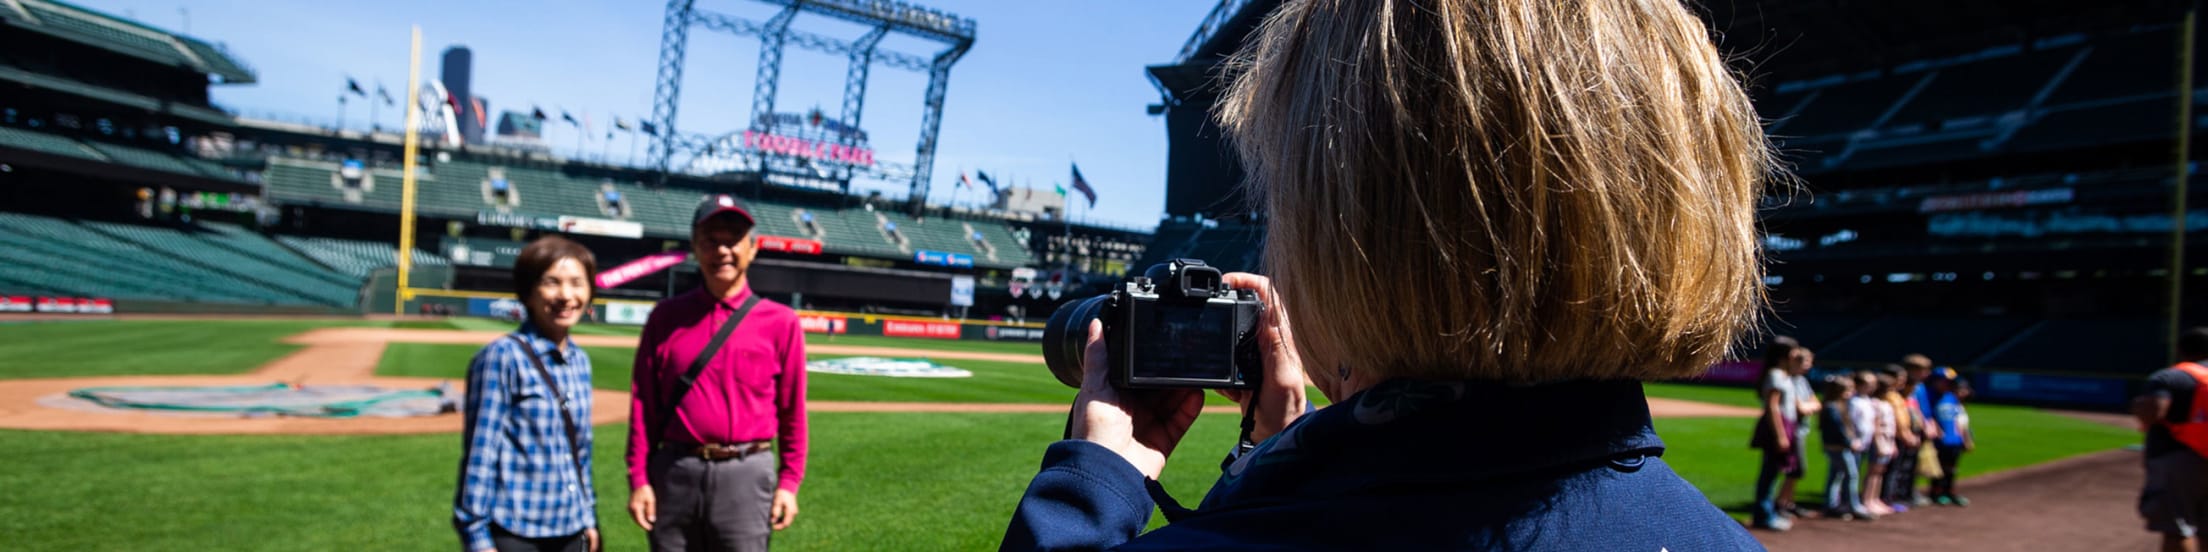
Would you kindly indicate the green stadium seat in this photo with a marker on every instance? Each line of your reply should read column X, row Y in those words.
column 46, row 143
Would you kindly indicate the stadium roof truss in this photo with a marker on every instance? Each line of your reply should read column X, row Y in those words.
column 884, row 17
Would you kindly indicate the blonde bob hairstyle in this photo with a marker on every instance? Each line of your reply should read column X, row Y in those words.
column 1514, row 190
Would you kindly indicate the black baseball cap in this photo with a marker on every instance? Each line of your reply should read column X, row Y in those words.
column 721, row 203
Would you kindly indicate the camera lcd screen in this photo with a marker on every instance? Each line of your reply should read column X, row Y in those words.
column 1183, row 341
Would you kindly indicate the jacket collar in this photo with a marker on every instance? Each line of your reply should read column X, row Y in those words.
column 1443, row 432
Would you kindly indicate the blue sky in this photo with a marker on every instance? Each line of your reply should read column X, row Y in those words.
column 1046, row 84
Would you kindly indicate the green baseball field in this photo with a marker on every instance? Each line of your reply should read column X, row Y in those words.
column 877, row 480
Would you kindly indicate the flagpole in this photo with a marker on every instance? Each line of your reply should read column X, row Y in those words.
column 341, row 112
column 406, row 181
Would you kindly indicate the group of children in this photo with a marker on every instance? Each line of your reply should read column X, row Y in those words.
column 1880, row 429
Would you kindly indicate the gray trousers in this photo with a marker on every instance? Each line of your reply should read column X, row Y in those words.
column 708, row 505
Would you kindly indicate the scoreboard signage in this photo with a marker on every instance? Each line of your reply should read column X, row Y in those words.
column 808, row 148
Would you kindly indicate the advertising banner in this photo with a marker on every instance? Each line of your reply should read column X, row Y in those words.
column 96, row 306
column 15, row 303
column 503, row 308
column 820, row 323
column 653, row 263
column 962, row 291
column 940, row 258
column 1011, row 333
column 931, row 330
column 480, row 251
column 601, row 227
column 57, row 304
column 789, row 245
column 1995, row 200
column 628, row 312
column 1734, row 371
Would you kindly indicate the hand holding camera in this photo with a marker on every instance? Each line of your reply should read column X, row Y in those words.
column 1151, row 346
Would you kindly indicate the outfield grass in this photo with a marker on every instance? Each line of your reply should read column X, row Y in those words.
column 88, row 348
column 1713, row 453
column 877, row 480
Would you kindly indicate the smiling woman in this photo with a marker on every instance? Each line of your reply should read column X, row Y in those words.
column 525, row 460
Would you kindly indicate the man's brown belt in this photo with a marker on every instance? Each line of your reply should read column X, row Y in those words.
column 718, row 452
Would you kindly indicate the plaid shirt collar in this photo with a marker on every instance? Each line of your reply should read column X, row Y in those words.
column 543, row 346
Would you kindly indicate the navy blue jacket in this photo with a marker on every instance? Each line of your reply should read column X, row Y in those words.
column 1407, row 466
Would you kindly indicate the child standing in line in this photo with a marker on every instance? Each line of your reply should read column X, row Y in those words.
column 1842, row 445
column 1947, row 412
column 1901, row 471
column 1882, row 428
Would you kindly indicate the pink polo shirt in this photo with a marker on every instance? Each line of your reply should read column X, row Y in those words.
column 753, row 390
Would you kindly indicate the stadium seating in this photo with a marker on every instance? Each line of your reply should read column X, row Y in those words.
column 2122, row 66
column 353, row 258
column 1983, row 87
column 2123, row 122
column 1845, row 107
column 140, row 42
column 192, row 248
column 2106, row 346
column 46, row 143
column 454, row 188
column 59, row 255
column 1948, row 339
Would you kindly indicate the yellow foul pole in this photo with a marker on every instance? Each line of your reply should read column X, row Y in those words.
column 406, row 181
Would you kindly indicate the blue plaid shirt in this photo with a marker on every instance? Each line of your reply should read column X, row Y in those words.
column 517, row 470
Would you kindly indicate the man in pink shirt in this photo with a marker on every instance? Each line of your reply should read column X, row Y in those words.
column 719, row 384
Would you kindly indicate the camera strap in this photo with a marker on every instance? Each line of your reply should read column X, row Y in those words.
column 697, row 366
column 567, row 418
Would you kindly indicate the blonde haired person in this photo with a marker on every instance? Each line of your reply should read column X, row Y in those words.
column 1490, row 221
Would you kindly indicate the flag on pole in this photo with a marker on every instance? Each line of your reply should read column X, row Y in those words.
column 964, row 182
column 1082, row 185
column 537, row 113
column 622, row 125
column 649, row 129
column 586, row 121
column 569, row 117
column 353, row 86
column 984, row 177
column 385, row 95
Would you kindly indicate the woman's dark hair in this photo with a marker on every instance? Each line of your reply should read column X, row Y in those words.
column 538, row 257
column 1781, row 347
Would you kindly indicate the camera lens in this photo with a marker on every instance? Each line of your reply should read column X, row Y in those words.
column 1067, row 336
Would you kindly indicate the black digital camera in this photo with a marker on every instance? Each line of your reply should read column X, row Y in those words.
column 1176, row 326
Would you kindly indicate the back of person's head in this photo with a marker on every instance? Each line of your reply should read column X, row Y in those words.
column 2192, row 344
column 1916, row 362
column 1517, row 190
column 1835, row 387
column 1867, row 381
column 1780, row 349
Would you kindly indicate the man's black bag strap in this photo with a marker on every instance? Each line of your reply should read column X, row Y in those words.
column 697, row 366
column 567, row 418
